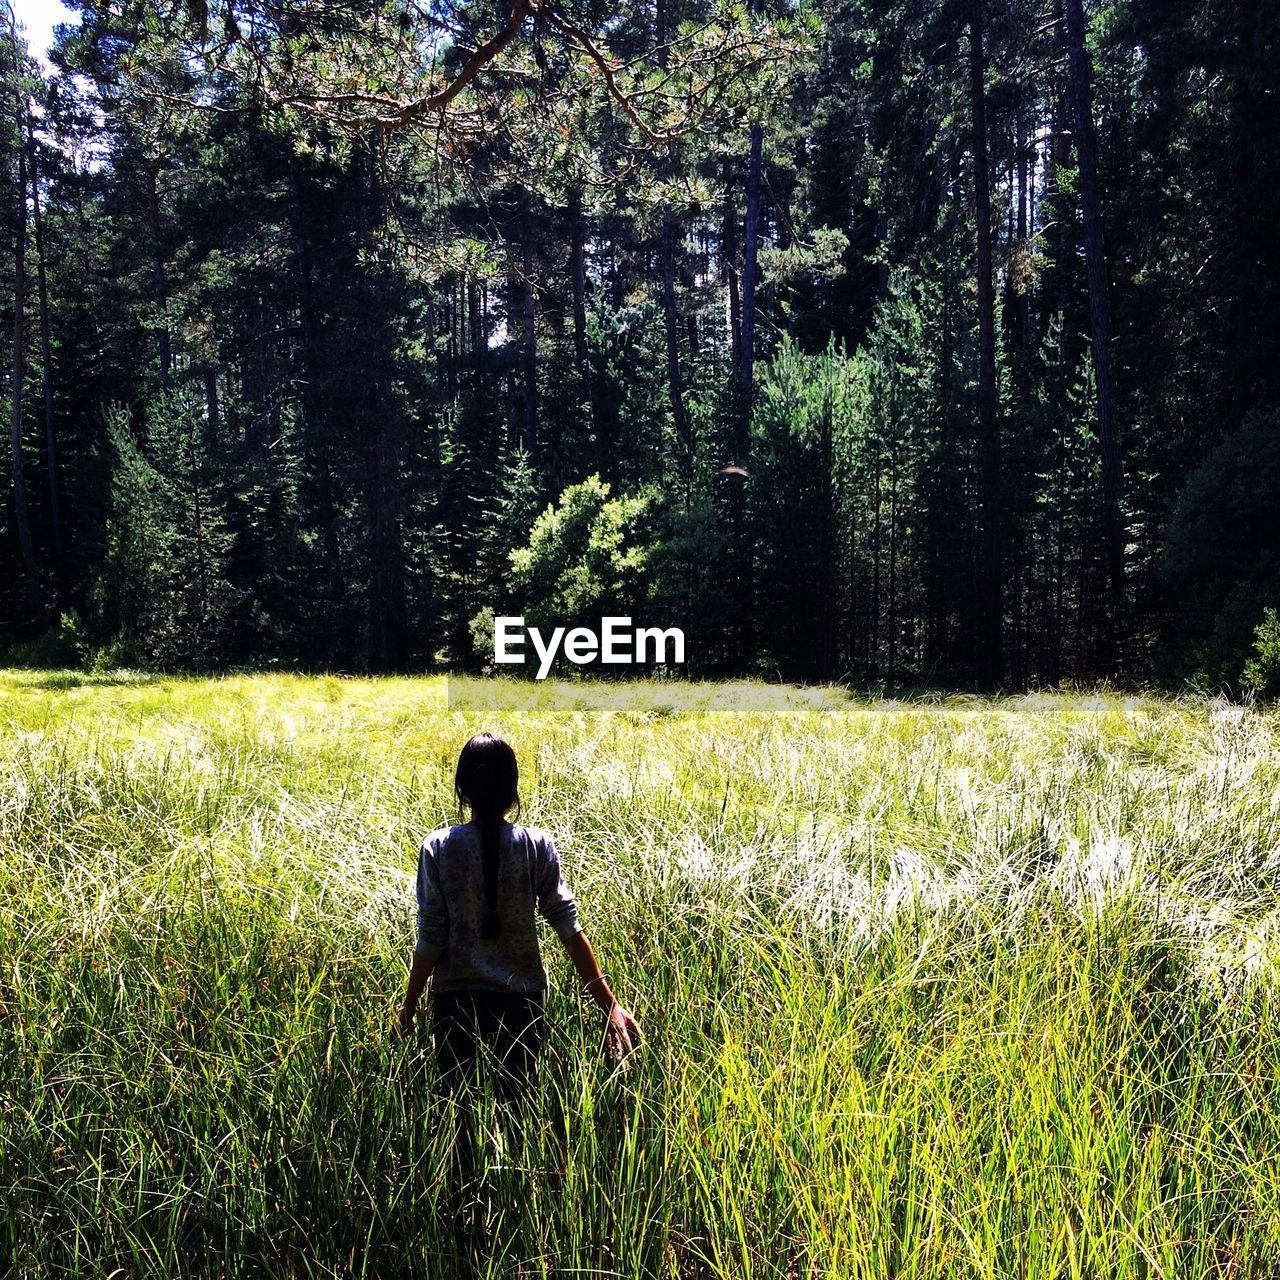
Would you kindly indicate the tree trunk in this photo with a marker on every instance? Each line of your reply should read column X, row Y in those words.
column 1248, row 234
column 529, row 338
column 893, row 563
column 581, row 354
column 522, row 330
column 750, row 249
column 873, row 623
column 578, row 269
column 385, row 507
column 1021, row 295
column 828, row 561
column 213, row 413
column 679, row 412
column 46, row 361
column 451, row 315
column 317, row 429
column 729, row 266
column 21, row 515
column 159, row 283
column 989, row 595
column 667, row 256
column 1095, row 262
column 475, row 326
column 197, row 511
column 386, row 605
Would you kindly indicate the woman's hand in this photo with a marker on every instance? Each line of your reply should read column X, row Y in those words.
column 621, row 1034
column 404, row 1022
column 419, row 971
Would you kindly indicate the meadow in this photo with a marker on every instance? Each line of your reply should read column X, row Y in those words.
column 945, row 987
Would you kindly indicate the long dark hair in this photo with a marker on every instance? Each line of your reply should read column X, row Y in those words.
column 487, row 782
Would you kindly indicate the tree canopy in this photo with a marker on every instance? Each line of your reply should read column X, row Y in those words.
column 871, row 341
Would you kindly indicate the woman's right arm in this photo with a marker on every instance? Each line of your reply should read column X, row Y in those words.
column 419, row 972
column 432, row 931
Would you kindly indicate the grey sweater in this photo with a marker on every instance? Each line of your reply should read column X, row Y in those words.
column 450, row 889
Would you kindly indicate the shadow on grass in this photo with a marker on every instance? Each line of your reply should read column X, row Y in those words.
column 42, row 678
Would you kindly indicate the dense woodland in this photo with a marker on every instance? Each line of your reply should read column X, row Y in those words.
column 904, row 341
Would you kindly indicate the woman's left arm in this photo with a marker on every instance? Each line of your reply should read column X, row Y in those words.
column 621, row 1034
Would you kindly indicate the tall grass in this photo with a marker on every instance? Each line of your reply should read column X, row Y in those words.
column 960, row 988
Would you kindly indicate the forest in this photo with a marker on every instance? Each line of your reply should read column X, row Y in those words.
column 885, row 341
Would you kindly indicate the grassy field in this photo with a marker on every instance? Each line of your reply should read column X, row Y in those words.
column 947, row 988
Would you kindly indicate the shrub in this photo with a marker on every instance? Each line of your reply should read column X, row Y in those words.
column 1221, row 562
column 52, row 648
column 1262, row 671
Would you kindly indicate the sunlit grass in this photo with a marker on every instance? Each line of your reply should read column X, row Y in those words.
column 948, row 987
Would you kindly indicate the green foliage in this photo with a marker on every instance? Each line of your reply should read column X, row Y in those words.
column 168, row 536
column 808, row 412
column 820, row 260
column 586, row 556
column 508, row 520
column 92, row 656
column 1221, row 560
column 631, row 429
column 1261, row 673
column 688, row 581
column 632, row 555
column 52, row 648
column 356, row 358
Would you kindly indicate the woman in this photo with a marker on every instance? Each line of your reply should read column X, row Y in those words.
column 480, row 886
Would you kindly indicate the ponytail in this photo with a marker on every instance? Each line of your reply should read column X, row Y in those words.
column 487, row 782
column 490, row 837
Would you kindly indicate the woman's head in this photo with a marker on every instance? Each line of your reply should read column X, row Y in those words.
column 487, row 779
column 487, row 782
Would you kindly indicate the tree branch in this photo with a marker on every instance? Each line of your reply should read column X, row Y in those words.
column 606, row 68
column 483, row 55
